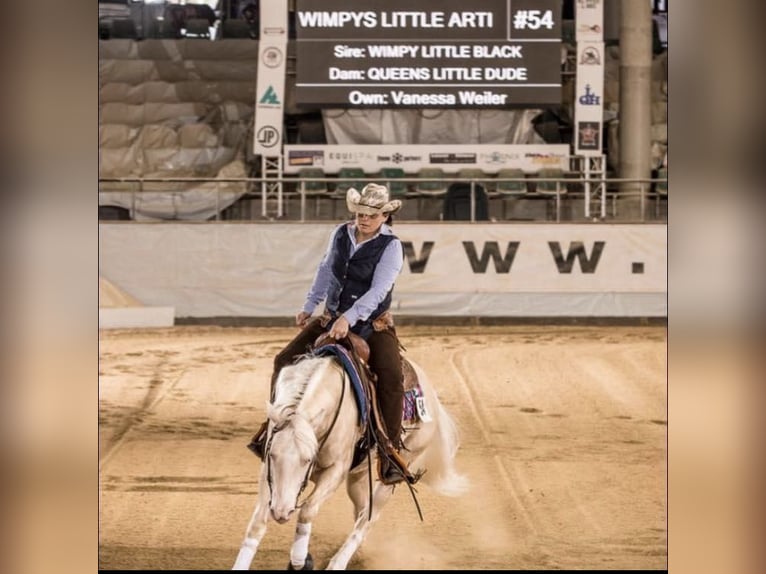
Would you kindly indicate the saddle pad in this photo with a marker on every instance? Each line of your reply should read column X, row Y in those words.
column 412, row 411
column 356, row 382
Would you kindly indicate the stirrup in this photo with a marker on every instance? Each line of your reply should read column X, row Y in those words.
column 396, row 470
column 393, row 475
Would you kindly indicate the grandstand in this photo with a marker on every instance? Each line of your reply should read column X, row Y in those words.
column 177, row 114
column 215, row 123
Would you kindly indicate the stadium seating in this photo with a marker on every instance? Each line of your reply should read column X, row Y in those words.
column 312, row 187
column 350, row 177
column 388, row 177
column 457, row 202
column 550, row 187
column 431, row 181
column 508, row 192
column 516, row 188
column 472, row 173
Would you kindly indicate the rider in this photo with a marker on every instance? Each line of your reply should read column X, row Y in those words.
column 356, row 278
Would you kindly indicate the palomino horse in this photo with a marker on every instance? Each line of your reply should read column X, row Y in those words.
column 314, row 425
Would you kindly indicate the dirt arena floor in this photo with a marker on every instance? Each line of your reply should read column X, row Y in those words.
column 564, row 440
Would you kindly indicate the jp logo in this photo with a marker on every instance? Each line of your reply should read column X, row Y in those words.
column 268, row 136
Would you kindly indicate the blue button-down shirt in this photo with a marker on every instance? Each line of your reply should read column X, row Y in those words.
column 386, row 272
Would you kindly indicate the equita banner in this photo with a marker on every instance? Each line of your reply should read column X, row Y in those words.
column 270, row 85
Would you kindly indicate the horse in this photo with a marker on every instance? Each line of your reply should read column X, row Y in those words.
column 313, row 429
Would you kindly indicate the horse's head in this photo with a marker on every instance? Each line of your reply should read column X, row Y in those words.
column 290, row 455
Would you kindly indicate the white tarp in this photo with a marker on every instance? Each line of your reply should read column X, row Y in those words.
column 174, row 108
column 379, row 126
column 265, row 270
column 192, row 201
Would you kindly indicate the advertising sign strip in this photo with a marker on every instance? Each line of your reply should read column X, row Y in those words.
column 589, row 21
column 270, row 84
column 416, row 53
column 589, row 98
column 589, row 87
column 450, row 158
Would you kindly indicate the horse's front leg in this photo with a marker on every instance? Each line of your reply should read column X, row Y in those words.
column 327, row 482
column 381, row 494
column 256, row 528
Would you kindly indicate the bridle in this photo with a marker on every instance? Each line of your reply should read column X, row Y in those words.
column 310, row 469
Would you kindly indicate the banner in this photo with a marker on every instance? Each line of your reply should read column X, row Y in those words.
column 589, row 86
column 500, row 270
column 451, row 158
column 270, row 85
column 589, row 98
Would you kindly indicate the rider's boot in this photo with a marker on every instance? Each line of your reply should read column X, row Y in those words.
column 258, row 442
column 392, row 467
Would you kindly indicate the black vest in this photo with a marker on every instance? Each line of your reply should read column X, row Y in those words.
column 354, row 273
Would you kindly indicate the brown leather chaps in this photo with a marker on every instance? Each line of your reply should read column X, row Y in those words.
column 385, row 362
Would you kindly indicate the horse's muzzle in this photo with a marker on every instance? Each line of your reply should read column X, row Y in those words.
column 280, row 516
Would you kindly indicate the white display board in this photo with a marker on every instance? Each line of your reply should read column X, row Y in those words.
column 446, row 54
column 265, row 270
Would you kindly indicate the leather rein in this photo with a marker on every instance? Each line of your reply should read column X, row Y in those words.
column 311, row 466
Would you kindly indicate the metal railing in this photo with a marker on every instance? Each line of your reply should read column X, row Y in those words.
column 607, row 190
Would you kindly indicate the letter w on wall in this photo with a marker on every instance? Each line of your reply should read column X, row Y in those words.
column 491, row 249
column 588, row 264
column 417, row 264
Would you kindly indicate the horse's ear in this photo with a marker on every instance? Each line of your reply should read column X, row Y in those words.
column 271, row 412
column 278, row 414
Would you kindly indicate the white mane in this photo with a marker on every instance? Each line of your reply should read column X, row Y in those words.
column 289, row 390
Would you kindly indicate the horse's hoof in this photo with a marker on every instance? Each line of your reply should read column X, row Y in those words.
column 308, row 565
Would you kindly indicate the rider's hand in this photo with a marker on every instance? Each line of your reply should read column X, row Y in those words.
column 302, row 318
column 339, row 328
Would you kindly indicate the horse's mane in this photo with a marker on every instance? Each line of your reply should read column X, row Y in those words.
column 290, row 387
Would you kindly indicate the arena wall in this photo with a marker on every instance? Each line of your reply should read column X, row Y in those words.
column 451, row 269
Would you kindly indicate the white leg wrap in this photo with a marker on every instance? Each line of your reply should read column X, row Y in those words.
column 246, row 554
column 300, row 546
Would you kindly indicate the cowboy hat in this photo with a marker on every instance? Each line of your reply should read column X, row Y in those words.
column 372, row 200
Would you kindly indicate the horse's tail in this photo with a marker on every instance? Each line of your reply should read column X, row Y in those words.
column 441, row 474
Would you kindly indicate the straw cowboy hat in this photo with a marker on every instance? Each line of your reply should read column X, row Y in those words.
column 373, row 200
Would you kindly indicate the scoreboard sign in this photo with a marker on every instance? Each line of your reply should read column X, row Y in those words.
column 421, row 54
